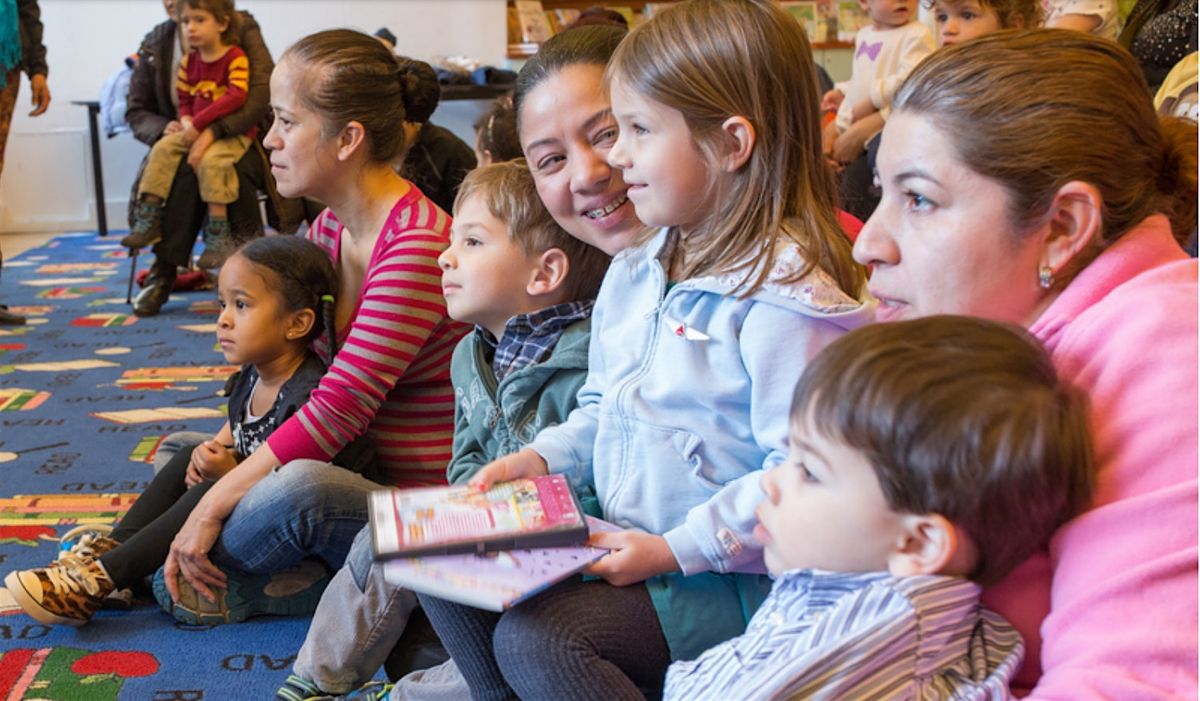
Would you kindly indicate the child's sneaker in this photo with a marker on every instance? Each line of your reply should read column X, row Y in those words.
column 65, row 593
column 217, row 244
column 87, row 542
column 300, row 689
column 147, row 226
column 292, row 592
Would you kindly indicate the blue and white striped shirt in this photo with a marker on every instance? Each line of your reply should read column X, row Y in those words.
column 826, row 635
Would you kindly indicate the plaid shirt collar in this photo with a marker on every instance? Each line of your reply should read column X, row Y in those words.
column 530, row 338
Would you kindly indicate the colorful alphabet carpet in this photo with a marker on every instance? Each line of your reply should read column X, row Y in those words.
column 87, row 391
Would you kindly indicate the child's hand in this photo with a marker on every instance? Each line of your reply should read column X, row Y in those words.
column 212, row 460
column 172, row 127
column 634, row 557
column 189, row 134
column 523, row 463
column 832, row 100
column 863, row 108
column 199, row 146
column 851, row 144
column 829, row 137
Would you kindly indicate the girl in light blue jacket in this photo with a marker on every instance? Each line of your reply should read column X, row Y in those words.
column 700, row 331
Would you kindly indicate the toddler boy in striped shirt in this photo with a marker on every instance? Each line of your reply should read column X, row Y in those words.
column 927, row 458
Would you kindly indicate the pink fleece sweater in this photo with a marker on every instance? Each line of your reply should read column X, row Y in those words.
column 1110, row 610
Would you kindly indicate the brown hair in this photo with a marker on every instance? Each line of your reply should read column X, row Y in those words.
column 1037, row 109
column 1013, row 14
column 961, row 417
column 352, row 76
column 589, row 45
column 496, row 130
column 222, row 11
column 715, row 59
column 511, row 196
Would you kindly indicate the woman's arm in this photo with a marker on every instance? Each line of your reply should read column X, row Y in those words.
column 143, row 113
column 33, row 52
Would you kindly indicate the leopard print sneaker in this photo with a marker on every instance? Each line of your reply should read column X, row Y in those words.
column 87, row 542
column 65, row 593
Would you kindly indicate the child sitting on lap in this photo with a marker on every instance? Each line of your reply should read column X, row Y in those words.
column 212, row 83
column 927, row 458
column 528, row 287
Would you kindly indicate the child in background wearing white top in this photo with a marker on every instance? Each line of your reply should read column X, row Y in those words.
column 927, row 458
column 885, row 52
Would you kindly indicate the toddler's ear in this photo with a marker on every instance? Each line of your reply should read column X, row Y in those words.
column 930, row 544
column 549, row 274
column 300, row 324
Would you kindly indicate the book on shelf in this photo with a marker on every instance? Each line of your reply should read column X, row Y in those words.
column 535, row 27
column 850, row 19
column 539, row 512
column 805, row 12
column 495, row 581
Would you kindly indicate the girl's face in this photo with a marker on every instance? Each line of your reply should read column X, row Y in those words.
column 941, row 241
column 254, row 325
column 201, row 28
column 964, row 20
column 567, row 128
column 669, row 178
column 301, row 156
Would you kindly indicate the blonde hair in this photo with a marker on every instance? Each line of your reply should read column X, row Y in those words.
column 1013, row 14
column 712, row 60
column 1037, row 109
column 509, row 193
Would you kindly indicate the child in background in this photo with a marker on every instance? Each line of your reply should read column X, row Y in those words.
column 1099, row 17
column 276, row 295
column 885, row 51
column 927, row 458
column 212, row 83
column 685, row 402
column 961, row 20
column 436, row 160
column 496, row 133
column 528, row 287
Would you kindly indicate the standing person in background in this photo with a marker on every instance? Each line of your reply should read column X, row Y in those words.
column 20, row 49
column 438, row 160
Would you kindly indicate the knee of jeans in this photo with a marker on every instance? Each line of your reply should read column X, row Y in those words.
column 360, row 558
column 293, row 487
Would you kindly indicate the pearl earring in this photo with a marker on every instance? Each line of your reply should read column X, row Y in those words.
column 1045, row 277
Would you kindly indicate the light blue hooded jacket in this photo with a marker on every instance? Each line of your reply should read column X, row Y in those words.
column 686, row 401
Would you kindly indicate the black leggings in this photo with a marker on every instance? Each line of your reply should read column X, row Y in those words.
column 146, row 531
column 579, row 640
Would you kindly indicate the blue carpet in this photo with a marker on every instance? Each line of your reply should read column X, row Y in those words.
column 86, row 392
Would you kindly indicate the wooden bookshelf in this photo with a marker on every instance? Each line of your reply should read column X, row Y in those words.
column 527, row 49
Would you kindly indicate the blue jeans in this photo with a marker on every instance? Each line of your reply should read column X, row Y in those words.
column 307, row 508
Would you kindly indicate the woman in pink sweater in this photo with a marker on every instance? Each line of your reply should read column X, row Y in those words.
column 338, row 97
column 1026, row 178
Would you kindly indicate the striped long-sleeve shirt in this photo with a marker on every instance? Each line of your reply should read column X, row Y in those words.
column 391, row 375
column 825, row 635
column 212, row 90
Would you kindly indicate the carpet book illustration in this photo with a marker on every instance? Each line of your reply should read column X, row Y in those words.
column 495, row 581
column 541, row 512
column 87, row 393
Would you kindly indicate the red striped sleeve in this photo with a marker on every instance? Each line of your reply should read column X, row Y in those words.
column 391, row 376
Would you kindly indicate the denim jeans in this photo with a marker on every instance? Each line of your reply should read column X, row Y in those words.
column 307, row 508
column 175, row 442
column 359, row 620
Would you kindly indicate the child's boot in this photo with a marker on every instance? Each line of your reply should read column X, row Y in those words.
column 217, row 243
column 66, row 593
column 147, row 225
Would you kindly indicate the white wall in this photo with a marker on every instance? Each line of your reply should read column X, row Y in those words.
column 47, row 180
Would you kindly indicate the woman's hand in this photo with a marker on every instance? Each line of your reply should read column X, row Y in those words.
column 212, row 460
column 201, row 143
column 41, row 94
column 634, row 557
column 189, row 557
column 523, row 463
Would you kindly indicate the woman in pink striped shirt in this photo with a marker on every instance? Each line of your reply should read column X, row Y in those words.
column 338, row 98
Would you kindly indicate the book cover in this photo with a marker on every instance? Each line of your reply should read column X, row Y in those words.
column 494, row 581
column 540, row 512
column 850, row 19
column 534, row 25
column 805, row 13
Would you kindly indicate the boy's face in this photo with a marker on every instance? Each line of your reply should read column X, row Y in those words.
column 485, row 275
column 824, row 509
column 961, row 21
column 890, row 13
column 202, row 29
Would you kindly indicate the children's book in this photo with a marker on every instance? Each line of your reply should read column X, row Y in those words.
column 541, row 512
column 805, row 12
column 534, row 25
column 494, row 581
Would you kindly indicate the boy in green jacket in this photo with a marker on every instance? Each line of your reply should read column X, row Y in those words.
column 528, row 288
